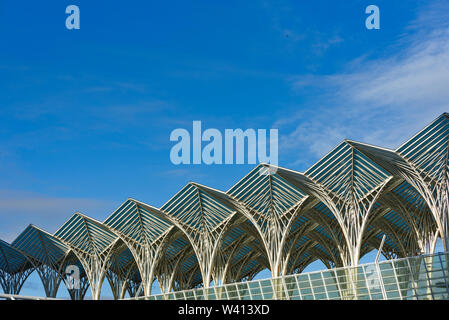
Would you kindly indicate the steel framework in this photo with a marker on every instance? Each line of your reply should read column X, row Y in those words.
column 345, row 205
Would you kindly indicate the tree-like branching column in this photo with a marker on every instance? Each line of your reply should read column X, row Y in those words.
column 178, row 269
column 193, row 278
column 349, row 184
column 425, row 167
column 244, row 268
column 46, row 253
column 122, row 269
column 139, row 225
column 423, row 163
column 203, row 219
column 415, row 215
column 170, row 265
column 80, row 292
column 330, row 232
column 93, row 244
column 225, row 258
column 12, row 282
column 240, row 256
column 404, row 240
column 272, row 205
column 297, row 242
column 73, row 276
column 14, row 268
column 247, row 266
column 135, row 288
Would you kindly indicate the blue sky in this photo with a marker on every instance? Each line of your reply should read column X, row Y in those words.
column 86, row 115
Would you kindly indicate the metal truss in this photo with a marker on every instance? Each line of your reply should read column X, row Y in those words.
column 204, row 220
column 272, row 205
column 93, row 244
column 14, row 268
column 422, row 162
column 122, row 270
column 80, row 293
column 135, row 288
column 349, row 184
column 225, row 259
column 169, row 269
column 76, row 289
column 426, row 156
column 145, row 234
column 416, row 216
column 348, row 203
column 12, row 282
column 47, row 255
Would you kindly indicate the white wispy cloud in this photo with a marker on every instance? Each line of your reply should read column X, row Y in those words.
column 381, row 101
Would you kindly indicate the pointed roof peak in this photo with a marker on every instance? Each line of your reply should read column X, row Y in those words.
column 355, row 144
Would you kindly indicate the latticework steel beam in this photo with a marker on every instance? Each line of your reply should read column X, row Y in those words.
column 46, row 253
column 14, row 268
column 348, row 203
column 93, row 244
column 204, row 220
column 145, row 233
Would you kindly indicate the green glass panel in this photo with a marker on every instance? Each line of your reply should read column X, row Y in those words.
column 255, row 290
column 315, row 276
column 292, row 288
column 243, row 290
column 231, row 290
column 189, row 295
column 377, row 296
column 199, row 293
column 302, row 278
column 306, row 291
column 334, row 295
column 265, row 283
column 267, row 291
column 318, row 289
column 393, row 295
column 179, row 295
column 320, row 297
column 210, row 293
column 220, row 293
column 363, row 296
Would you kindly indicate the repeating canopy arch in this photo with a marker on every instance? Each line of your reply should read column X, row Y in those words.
column 349, row 183
column 46, row 253
column 93, row 244
column 272, row 205
column 139, row 225
column 14, row 268
column 204, row 220
column 345, row 205
column 421, row 183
